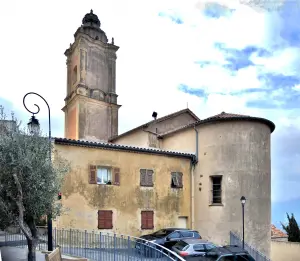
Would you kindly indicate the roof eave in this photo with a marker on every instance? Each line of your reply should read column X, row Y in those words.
column 269, row 123
column 64, row 141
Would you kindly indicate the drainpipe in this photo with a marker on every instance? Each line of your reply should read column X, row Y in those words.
column 193, row 180
column 197, row 140
column 192, row 197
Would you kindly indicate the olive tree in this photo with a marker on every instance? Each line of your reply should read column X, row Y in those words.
column 29, row 180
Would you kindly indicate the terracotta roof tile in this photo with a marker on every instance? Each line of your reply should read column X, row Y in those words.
column 223, row 116
column 277, row 233
column 227, row 115
column 169, row 116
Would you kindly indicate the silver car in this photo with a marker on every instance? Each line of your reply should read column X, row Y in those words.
column 192, row 247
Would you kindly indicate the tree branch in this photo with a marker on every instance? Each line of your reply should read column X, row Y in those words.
column 19, row 203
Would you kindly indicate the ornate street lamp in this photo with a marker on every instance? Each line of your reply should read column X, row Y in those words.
column 33, row 125
column 243, row 201
column 34, row 128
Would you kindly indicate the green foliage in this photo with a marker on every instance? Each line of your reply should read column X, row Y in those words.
column 29, row 180
column 292, row 229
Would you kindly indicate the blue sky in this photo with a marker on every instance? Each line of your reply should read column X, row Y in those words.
column 213, row 56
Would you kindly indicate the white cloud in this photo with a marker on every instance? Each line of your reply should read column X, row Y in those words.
column 285, row 61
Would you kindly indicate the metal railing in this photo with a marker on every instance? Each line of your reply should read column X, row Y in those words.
column 258, row 256
column 96, row 245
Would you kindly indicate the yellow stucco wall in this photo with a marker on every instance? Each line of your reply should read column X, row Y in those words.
column 136, row 138
column 287, row 251
column 184, row 141
column 82, row 200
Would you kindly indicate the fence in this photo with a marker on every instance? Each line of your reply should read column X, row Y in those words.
column 97, row 246
column 235, row 240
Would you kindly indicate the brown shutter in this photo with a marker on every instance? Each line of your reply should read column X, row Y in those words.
column 101, row 219
column 105, row 219
column 179, row 175
column 147, row 220
column 116, row 175
column 144, row 219
column 143, row 178
column 108, row 219
column 149, row 178
column 150, row 220
column 93, row 174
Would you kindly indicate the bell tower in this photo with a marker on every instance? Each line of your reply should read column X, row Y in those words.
column 91, row 109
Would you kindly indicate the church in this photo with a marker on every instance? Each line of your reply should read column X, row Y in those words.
column 174, row 171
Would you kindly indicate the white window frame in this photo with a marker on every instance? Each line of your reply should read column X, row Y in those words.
column 102, row 175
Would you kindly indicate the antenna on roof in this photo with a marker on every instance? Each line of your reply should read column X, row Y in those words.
column 187, row 105
column 154, row 115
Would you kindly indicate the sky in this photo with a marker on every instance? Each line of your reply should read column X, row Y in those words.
column 211, row 56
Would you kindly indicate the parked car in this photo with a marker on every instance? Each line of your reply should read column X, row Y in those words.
column 167, row 237
column 192, row 247
column 226, row 253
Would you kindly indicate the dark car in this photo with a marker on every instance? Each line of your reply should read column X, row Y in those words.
column 167, row 237
column 226, row 253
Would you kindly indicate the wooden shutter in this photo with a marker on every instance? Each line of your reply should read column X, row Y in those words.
column 143, row 179
column 147, row 220
column 144, row 220
column 179, row 177
column 93, row 174
column 149, row 178
column 105, row 219
column 116, row 176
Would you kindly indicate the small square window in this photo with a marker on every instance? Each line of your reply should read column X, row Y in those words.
column 146, row 177
column 105, row 219
column 103, row 175
column 176, row 180
column 147, row 219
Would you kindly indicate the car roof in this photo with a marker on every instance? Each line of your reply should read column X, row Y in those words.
column 174, row 229
column 192, row 241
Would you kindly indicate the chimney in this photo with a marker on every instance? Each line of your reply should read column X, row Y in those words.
column 154, row 115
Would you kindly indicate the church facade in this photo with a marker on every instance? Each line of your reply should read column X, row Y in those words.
column 174, row 171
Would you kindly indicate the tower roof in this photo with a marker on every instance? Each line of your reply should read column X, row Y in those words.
column 91, row 19
column 91, row 26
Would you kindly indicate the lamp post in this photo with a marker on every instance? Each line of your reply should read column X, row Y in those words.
column 243, row 201
column 34, row 127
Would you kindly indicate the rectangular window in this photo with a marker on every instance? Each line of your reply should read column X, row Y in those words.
column 216, row 189
column 146, row 177
column 105, row 219
column 176, row 180
column 103, row 175
column 147, row 219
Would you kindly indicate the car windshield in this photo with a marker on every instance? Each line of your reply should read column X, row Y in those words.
column 212, row 254
column 161, row 233
column 181, row 245
column 210, row 246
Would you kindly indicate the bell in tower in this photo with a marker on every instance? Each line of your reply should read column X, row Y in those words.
column 91, row 109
